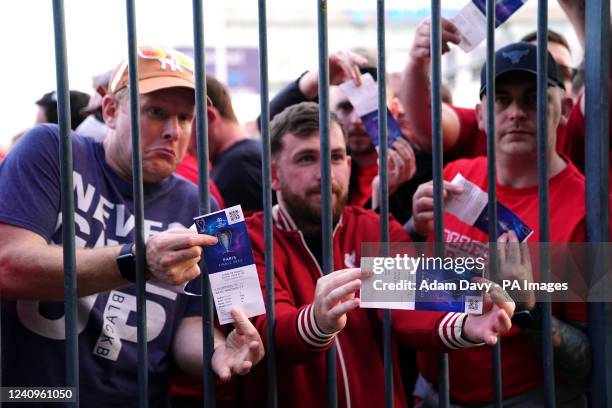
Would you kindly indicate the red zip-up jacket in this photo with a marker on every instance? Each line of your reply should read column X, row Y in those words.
column 300, row 345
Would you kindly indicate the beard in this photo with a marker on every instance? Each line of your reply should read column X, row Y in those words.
column 306, row 211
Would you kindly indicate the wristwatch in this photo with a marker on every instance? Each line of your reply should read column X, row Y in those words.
column 126, row 261
column 528, row 317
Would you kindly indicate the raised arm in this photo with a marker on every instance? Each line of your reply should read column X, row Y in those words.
column 415, row 91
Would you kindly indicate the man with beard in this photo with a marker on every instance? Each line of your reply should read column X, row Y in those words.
column 314, row 311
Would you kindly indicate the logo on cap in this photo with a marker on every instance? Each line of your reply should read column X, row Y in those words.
column 167, row 59
column 515, row 56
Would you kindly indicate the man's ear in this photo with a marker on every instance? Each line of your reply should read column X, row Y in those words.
column 110, row 109
column 480, row 116
column 566, row 109
column 348, row 163
column 275, row 184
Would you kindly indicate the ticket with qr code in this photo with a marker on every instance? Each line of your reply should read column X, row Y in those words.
column 229, row 263
column 364, row 99
column 410, row 282
column 471, row 21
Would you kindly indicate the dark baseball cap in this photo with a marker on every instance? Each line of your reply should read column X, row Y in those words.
column 522, row 57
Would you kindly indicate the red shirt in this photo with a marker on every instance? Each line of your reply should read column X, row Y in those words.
column 360, row 190
column 188, row 168
column 472, row 142
column 521, row 365
column 301, row 372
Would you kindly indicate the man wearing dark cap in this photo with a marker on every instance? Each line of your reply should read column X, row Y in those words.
column 31, row 267
column 47, row 108
column 517, row 189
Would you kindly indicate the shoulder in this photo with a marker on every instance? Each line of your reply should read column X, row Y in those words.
column 245, row 148
column 466, row 167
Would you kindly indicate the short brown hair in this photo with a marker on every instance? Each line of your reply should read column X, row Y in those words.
column 552, row 36
column 220, row 98
column 301, row 120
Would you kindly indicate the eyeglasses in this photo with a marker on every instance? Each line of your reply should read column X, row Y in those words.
column 568, row 73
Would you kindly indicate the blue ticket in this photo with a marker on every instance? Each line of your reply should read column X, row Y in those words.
column 233, row 276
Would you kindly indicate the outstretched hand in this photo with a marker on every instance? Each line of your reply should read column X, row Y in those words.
column 241, row 350
column 498, row 308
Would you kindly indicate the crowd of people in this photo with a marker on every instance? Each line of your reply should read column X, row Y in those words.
column 312, row 310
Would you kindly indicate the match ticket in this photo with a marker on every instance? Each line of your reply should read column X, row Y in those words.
column 423, row 283
column 233, row 276
column 364, row 99
column 471, row 208
column 472, row 21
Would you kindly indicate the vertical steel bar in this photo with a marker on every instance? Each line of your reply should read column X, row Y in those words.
column 137, row 187
column 384, row 190
column 543, row 198
column 326, row 197
column 437, row 163
column 143, row 382
column 69, row 252
column 203, row 190
column 597, row 100
column 492, row 187
column 267, row 205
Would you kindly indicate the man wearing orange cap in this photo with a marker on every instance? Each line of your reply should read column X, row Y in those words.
column 31, row 271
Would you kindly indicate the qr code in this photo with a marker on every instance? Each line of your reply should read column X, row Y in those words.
column 234, row 215
column 473, row 304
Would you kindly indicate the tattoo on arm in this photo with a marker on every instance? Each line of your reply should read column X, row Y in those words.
column 571, row 348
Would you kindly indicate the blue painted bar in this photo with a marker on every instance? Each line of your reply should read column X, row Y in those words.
column 267, row 205
column 437, row 164
column 492, row 187
column 544, row 204
column 143, row 380
column 326, row 194
column 384, row 189
column 69, row 252
column 203, row 190
column 597, row 102
column 143, row 386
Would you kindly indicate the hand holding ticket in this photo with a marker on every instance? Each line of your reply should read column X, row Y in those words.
column 364, row 99
column 471, row 208
column 229, row 263
column 472, row 21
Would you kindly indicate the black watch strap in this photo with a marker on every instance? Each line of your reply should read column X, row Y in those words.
column 528, row 318
column 126, row 261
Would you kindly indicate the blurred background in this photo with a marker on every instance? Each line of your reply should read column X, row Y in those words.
column 97, row 38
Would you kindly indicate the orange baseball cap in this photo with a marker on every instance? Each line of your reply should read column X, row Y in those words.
column 158, row 68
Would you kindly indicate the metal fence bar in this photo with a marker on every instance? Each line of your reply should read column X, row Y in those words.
column 141, row 311
column 326, row 196
column 143, row 386
column 68, row 243
column 204, row 196
column 597, row 100
column 437, row 164
column 267, row 206
column 543, row 199
column 492, row 187
column 384, row 189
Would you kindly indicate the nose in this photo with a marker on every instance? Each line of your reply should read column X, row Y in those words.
column 171, row 129
column 516, row 110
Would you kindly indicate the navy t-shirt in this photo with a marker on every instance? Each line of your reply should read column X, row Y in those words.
column 33, row 332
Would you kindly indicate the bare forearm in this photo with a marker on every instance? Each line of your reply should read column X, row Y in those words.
column 575, row 11
column 571, row 350
column 38, row 272
column 415, row 97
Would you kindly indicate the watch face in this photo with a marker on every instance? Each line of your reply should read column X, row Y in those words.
column 522, row 318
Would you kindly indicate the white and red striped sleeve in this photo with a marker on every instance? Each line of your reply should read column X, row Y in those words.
column 449, row 329
column 309, row 331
